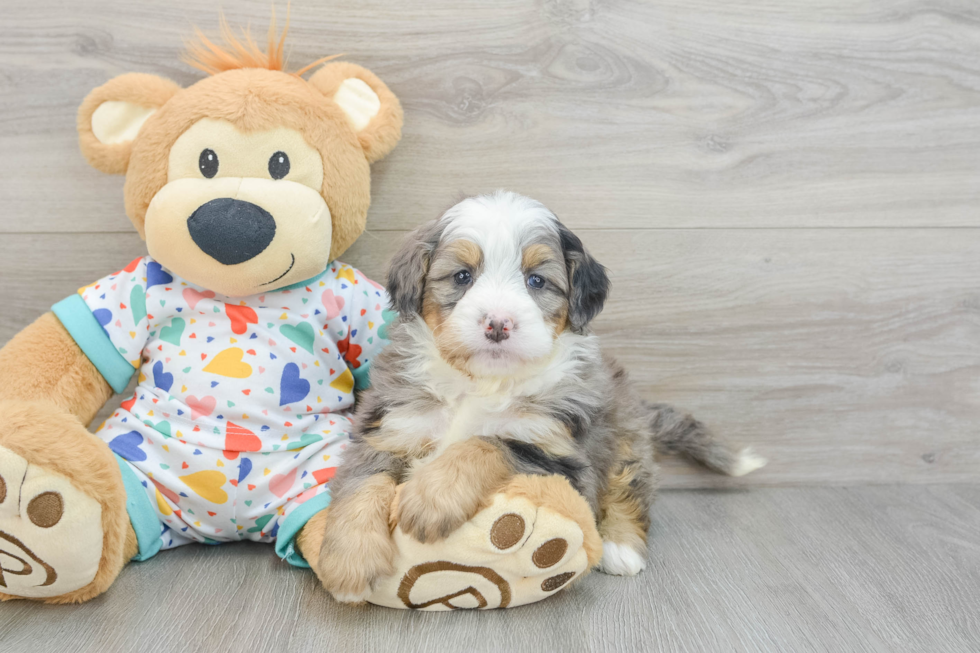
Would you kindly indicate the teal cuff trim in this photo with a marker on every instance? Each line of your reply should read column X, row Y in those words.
column 141, row 514
column 77, row 318
column 290, row 527
column 362, row 376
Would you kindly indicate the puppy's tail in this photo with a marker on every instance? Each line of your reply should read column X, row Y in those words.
column 674, row 432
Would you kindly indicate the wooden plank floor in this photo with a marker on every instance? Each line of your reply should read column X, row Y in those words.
column 885, row 568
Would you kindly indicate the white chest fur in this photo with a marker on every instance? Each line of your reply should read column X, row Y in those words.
column 508, row 408
column 464, row 414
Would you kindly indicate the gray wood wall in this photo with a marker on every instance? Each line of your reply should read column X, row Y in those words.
column 787, row 194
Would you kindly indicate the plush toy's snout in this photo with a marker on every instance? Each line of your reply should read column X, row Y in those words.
column 231, row 231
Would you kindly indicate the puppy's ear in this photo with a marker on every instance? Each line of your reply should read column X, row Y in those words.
column 406, row 274
column 587, row 279
column 111, row 116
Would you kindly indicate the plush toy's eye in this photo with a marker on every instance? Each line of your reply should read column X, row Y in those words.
column 536, row 281
column 462, row 277
column 208, row 162
column 279, row 165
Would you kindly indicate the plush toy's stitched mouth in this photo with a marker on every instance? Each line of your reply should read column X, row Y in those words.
column 291, row 264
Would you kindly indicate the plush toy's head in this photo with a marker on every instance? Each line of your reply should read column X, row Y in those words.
column 251, row 179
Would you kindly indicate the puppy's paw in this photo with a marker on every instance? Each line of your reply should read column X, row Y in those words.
column 447, row 491
column 430, row 513
column 357, row 548
column 351, row 562
column 621, row 560
column 353, row 599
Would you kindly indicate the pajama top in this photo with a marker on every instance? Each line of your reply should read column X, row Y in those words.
column 242, row 409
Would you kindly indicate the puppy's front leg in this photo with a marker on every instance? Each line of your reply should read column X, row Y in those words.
column 446, row 492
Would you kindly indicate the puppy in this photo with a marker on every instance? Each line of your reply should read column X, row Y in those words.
column 492, row 371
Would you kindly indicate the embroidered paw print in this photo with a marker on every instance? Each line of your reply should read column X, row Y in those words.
column 512, row 553
column 50, row 532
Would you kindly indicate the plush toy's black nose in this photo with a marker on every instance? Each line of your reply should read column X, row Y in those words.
column 231, row 231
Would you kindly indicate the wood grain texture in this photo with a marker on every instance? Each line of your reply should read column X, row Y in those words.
column 785, row 193
column 676, row 113
column 845, row 356
column 893, row 568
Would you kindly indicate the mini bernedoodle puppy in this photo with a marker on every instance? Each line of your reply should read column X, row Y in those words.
column 492, row 371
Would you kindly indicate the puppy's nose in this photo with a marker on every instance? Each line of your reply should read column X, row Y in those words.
column 497, row 328
column 231, row 231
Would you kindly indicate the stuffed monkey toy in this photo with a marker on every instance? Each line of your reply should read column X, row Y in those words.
column 249, row 340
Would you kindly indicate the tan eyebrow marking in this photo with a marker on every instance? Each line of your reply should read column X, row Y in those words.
column 466, row 252
column 536, row 254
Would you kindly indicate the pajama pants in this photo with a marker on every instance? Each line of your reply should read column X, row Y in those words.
column 179, row 492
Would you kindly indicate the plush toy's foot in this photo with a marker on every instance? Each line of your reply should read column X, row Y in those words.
column 535, row 537
column 64, row 532
column 50, row 533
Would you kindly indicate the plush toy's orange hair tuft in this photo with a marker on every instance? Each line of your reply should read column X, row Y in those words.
column 207, row 56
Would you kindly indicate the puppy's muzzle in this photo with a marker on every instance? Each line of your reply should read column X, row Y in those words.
column 231, row 231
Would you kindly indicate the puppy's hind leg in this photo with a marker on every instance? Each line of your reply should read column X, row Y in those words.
column 350, row 545
column 674, row 432
column 624, row 520
column 355, row 548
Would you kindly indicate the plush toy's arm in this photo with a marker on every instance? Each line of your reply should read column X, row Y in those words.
column 42, row 362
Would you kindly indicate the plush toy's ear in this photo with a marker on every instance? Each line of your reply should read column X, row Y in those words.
column 111, row 116
column 373, row 111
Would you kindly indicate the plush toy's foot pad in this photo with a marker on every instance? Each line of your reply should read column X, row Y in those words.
column 50, row 532
column 515, row 551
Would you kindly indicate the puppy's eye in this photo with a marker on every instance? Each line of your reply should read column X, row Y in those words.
column 208, row 163
column 462, row 278
column 279, row 165
column 536, row 281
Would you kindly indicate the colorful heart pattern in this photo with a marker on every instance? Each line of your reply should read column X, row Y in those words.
column 202, row 407
column 241, row 411
column 229, row 363
column 162, row 379
column 240, row 317
column 301, row 334
column 156, row 275
column 207, row 485
column 192, row 296
column 127, row 445
column 305, row 441
column 239, row 438
column 280, row 484
column 137, row 302
column 332, row 304
column 173, row 331
column 292, row 387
